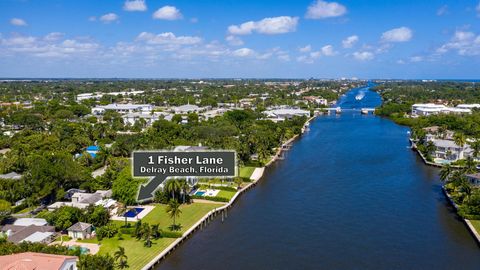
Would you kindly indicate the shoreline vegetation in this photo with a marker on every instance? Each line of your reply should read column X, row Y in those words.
column 460, row 133
column 64, row 137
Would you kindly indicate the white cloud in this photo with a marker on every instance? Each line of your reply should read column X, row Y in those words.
column 315, row 55
column 244, row 52
column 18, row 22
column 363, row 56
column 92, row 19
column 305, row 49
column 283, row 57
column 350, row 41
column 463, row 42
column 54, row 36
column 269, row 26
column 305, row 59
column 51, row 46
column 416, row 59
column 322, row 10
column 135, row 5
column 400, row 62
column 328, row 50
column 169, row 13
column 401, row 34
column 109, row 17
column 443, row 10
column 167, row 38
column 234, row 40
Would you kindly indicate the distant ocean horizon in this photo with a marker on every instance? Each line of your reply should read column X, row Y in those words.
column 6, row 79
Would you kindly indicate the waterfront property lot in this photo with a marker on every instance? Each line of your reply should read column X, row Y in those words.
column 138, row 255
column 191, row 213
column 246, row 172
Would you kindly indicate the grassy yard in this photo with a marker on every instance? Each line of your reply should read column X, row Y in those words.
column 476, row 224
column 226, row 194
column 191, row 213
column 138, row 255
column 246, row 172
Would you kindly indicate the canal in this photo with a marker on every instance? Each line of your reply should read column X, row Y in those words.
column 350, row 194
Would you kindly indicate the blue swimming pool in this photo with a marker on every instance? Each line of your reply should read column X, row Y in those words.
column 200, row 193
column 133, row 212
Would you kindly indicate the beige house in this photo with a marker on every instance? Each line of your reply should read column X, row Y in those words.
column 80, row 230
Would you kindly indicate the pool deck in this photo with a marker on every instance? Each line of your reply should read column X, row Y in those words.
column 94, row 248
column 147, row 209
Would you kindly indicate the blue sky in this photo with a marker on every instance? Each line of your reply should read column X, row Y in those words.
column 248, row 38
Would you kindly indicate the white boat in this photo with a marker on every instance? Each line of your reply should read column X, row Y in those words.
column 360, row 96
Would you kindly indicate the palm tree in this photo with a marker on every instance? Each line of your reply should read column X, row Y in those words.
column 445, row 172
column 172, row 186
column 475, row 145
column 156, row 231
column 470, row 165
column 173, row 210
column 459, row 139
column 121, row 257
column 239, row 182
column 183, row 187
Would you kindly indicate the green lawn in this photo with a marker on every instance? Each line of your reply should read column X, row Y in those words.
column 476, row 224
column 226, row 194
column 191, row 213
column 138, row 255
column 246, row 172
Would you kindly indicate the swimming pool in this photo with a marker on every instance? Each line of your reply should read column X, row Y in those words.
column 83, row 250
column 133, row 212
column 200, row 193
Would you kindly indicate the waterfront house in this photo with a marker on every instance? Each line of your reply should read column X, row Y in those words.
column 474, row 179
column 427, row 109
column 449, row 150
column 281, row 114
column 80, row 230
column 37, row 261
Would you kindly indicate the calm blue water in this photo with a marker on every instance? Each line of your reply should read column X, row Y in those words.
column 349, row 195
column 133, row 212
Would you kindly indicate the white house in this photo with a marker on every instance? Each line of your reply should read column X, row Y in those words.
column 449, row 150
column 123, row 108
column 428, row 109
column 83, row 200
column 285, row 113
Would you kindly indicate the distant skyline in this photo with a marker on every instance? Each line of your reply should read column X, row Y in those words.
column 240, row 39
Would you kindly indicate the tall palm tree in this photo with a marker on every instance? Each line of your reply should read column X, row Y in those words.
column 172, row 186
column 183, row 187
column 459, row 139
column 173, row 210
column 470, row 165
column 475, row 145
column 445, row 172
column 121, row 258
